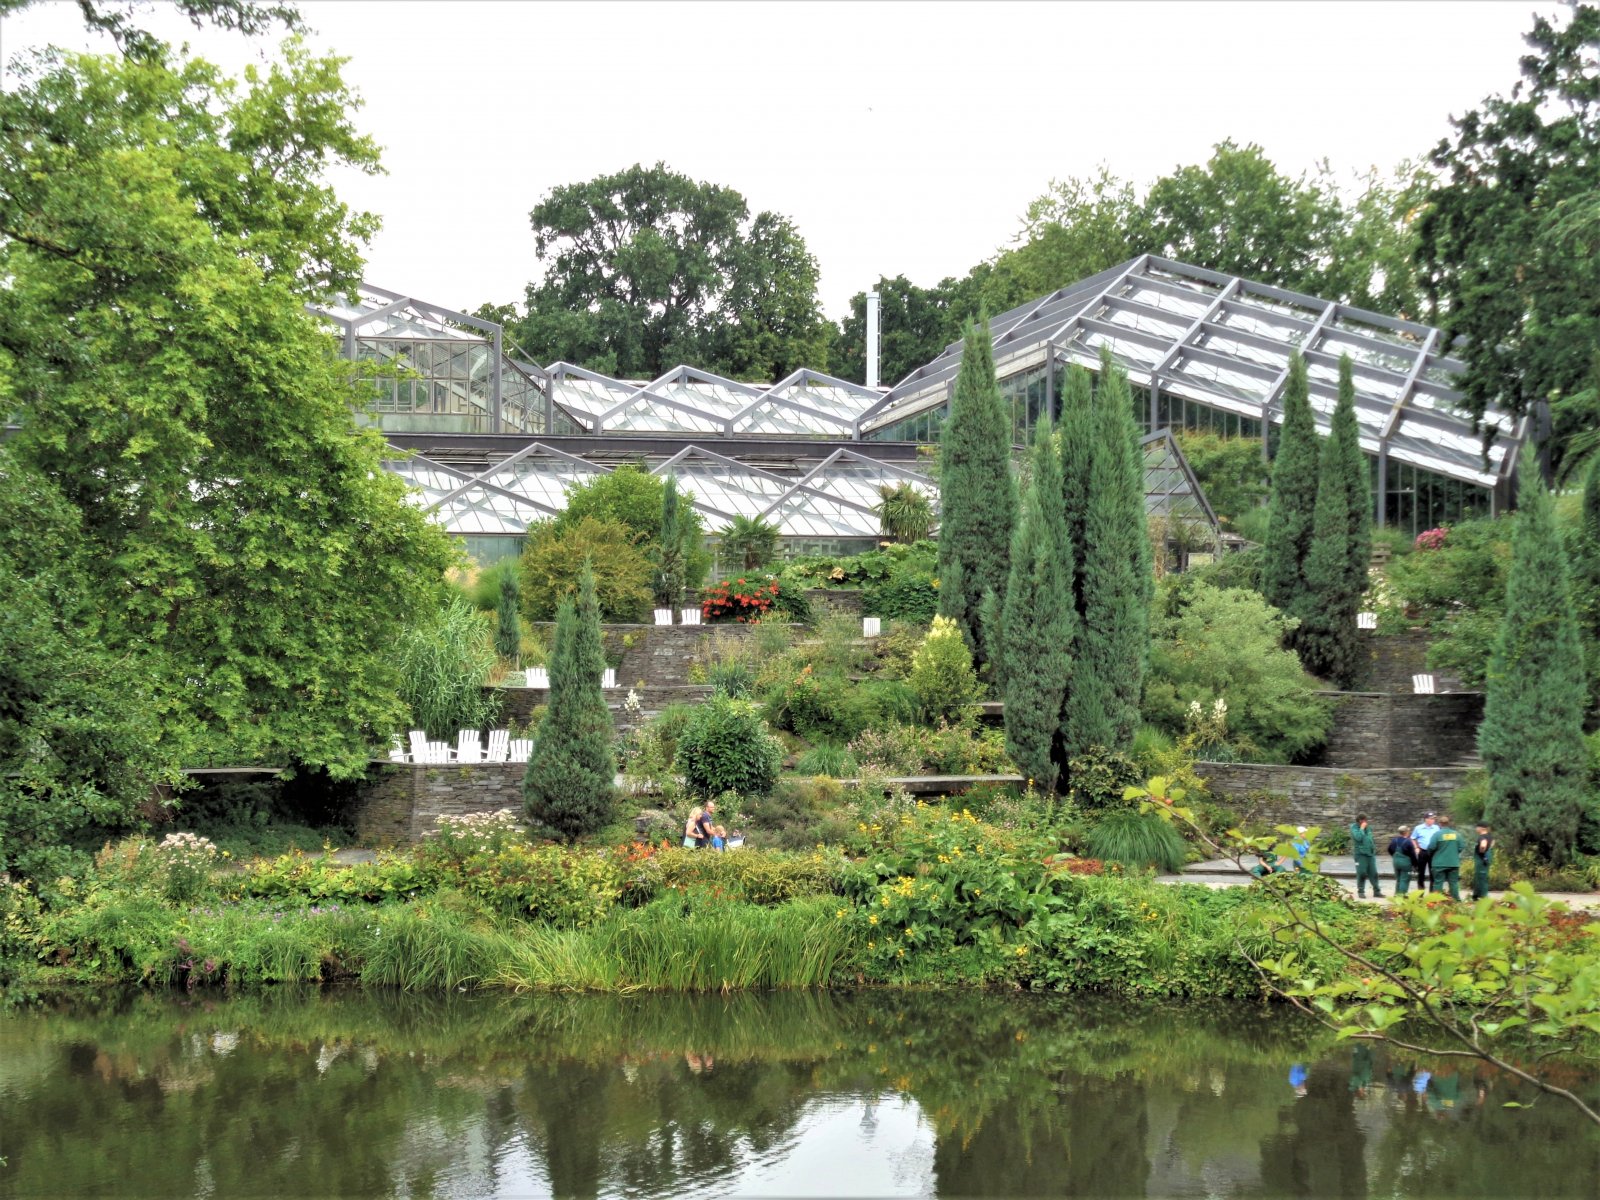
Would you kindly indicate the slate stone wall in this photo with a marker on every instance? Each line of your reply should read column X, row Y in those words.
column 401, row 801
column 1393, row 658
column 1331, row 797
column 1380, row 729
column 516, row 704
column 654, row 655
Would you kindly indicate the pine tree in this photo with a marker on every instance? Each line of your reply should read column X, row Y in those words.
column 1586, row 579
column 1293, row 502
column 1038, row 620
column 1341, row 549
column 978, row 498
column 508, row 627
column 1531, row 738
column 1102, row 707
column 670, row 556
column 568, row 789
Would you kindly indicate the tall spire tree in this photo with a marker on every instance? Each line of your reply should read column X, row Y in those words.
column 669, row 555
column 569, row 787
column 978, row 501
column 1531, row 738
column 1341, row 548
column 1038, row 620
column 1294, row 497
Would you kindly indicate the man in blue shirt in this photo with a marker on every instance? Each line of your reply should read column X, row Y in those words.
column 1425, row 835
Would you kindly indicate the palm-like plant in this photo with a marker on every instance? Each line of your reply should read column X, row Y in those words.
column 904, row 513
column 750, row 541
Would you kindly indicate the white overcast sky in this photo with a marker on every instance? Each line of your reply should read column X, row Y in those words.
column 901, row 138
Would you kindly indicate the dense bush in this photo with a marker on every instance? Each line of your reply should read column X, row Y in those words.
column 942, row 674
column 1137, row 839
column 826, row 759
column 444, row 661
column 1227, row 644
column 1097, row 778
column 1458, row 589
column 633, row 497
column 945, row 750
column 744, row 598
column 725, row 747
column 1231, row 471
column 554, row 556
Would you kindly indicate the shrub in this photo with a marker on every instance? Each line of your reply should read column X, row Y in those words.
column 1097, row 778
column 488, row 583
column 747, row 598
column 942, row 675
column 891, row 749
column 726, row 747
column 1137, row 839
column 911, row 593
column 754, row 876
column 748, row 543
column 445, row 662
column 819, row 706
column 826, row 759
column 1231, row 472
column 554, row 556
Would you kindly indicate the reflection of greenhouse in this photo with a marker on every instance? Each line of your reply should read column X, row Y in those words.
column 495, row 441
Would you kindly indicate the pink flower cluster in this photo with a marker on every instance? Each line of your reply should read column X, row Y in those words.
column 1432, row 539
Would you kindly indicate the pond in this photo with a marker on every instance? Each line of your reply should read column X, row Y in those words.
column 816, row 1094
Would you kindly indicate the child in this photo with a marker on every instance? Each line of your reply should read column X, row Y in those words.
column 719, row 838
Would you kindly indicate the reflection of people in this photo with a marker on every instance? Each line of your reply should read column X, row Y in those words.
column 1419, row 1082
column 1366, row 855
column 1445, row 862
column 1482, row 860
column 1297, row 1078
column 1360, row 1068
column 1445, row 1095
column 1403, row 854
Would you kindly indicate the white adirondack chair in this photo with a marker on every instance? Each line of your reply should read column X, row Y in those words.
column 499, row 746
column 438, row 752
column 691, row 616
column 520, row 748
column 469, row 746
column 419, row 746
column 1422, row 685
column 871, row 626
column 1366, row 620
column 663, row 616
column 608, row 677
column 538, row 677
column 397, row 749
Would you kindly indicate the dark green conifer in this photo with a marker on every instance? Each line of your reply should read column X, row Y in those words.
column 978, row 498
column 1531, row 738
column 669, row 555
column 508, row 621
column 1038, row 619
column 569, row 787
column 1293, row 503
column 1341, row 549
column 1585, row 558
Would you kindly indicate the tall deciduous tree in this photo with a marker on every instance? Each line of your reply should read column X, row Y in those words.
column 1531, row 738
column 978, row 498
column 1496, row 259
column 1038, row 621
column 161, row 230
column 1341, row 548
column 647, row 268
column 1294, row 497
column 569, row 787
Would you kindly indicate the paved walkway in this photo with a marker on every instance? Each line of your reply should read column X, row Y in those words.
column 1221, row 872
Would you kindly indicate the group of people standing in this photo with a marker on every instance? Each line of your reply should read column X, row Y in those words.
column 1432, row 851
column 702, row 831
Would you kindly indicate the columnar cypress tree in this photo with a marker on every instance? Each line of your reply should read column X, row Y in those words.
column 1586, row 578
column 1077, row 456
column 1341, row 549
column 1102, row 707
column 508, row 626
column 1294, row 497
column 670, row 556
column 1531, row 738
column 568, row 789
column 1038, row 620
column 978, row 498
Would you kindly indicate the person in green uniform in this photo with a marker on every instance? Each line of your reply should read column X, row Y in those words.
column 1446, row 864
column 1264, row 865
column 1403, row 854
column 1482, row 860
column 1366, row 853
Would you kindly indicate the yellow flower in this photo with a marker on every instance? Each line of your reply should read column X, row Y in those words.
column 840, row 913
column 1021, row 950
column 872, row 945
column 873, row 919
column 900, row 953
column 977, row 891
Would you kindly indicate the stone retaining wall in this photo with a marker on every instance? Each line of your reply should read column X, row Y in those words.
column 1393, row 658
column 518, row 703
column 400, row 801
column 1329, row 796
column 654, row 655
column 1381, row 729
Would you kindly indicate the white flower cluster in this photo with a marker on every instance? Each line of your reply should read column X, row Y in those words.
column 632, row 705
column 190, row 849
column 480, row 831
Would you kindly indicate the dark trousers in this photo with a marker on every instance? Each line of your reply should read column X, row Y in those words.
column 1402, row 877
column 1480, row 882
column 1367, row 872
column 1424, row 869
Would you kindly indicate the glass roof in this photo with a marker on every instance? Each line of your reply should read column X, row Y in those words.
column 1224, row 341
column 835, row 497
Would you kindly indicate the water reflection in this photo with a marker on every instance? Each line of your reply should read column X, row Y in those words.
column 813, row 1094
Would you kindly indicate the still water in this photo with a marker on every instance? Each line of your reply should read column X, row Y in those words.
column 876, row 1094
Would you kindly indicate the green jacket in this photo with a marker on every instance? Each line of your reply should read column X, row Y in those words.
column 1447, row 850
column 1361, row 842
column 1484, row 858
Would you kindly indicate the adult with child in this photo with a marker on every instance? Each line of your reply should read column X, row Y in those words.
column 1445, row 862
column 692, row 838
column 1425, row 835
column 1366, row 855
column 1482, row 860
column 1403, row 854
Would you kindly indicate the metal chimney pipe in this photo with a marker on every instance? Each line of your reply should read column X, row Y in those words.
column 872, row 339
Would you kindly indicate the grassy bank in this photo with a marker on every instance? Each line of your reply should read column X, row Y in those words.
column 927, row 896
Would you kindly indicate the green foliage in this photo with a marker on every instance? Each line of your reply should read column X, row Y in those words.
column 748, row 543
column 1213, row 644
column 942, row 674
column 905, row 514
column 647, row 268
column 726, row 747
column 1531, row 738
column 1294, row 499
column 163, row 231
column 1231, row 471
column 1459, row 591
column 484, row 588
column 978, row 499
column 1038, row 620
column 508, row 621
column 1137, row 839
column 670, row 569
column 1583, row 555
column 1341, row 548
column 444, row 663
column 826, row 759
column 1100, row 777
column 769, row 877
column 554, row 558
column 568, row 787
